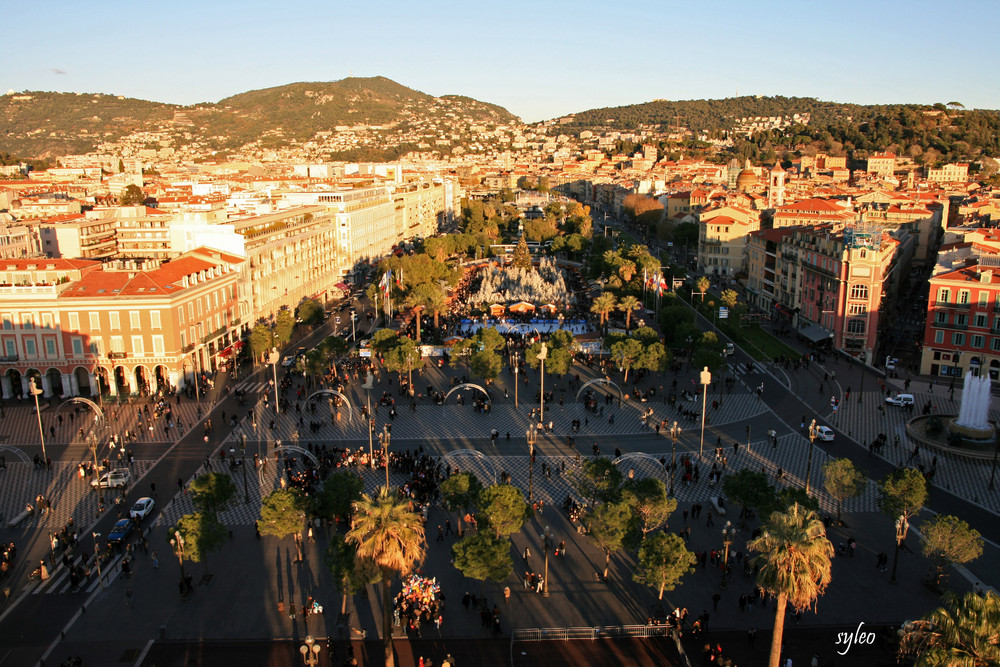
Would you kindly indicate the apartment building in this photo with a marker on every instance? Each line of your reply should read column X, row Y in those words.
column 949, row 173
column 722, row 238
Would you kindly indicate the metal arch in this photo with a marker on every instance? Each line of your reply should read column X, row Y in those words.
column 468, row 385
column 602, row 381
column 474, row 453
column 334, row 392
column 641, row 456
column 101, row 418
column 300, row 450
column 18, row 452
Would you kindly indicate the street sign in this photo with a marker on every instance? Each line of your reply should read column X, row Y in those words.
column 723, row 312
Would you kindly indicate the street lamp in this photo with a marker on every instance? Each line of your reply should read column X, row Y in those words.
column 532, row 436
column 543, row 352
column 516, row 367
column 310, row 652
column 902, row 525
column 367, row 386
column 812, row 439
column 97, row 557
column 354, row 331
column 675, row 433
column 177, row 542
column 705, row 378
column 384, row 440
column 728, row 533
column 35, row 391
column 273, row 359
column 547, row 544
column 864, row 361
column 243, row 453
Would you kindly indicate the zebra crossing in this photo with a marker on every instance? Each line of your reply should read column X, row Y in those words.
column 60, row 582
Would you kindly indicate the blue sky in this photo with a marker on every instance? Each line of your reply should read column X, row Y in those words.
column 539, row 59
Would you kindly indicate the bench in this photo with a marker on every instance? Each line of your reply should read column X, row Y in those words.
column 19, row 518
column 719, row 505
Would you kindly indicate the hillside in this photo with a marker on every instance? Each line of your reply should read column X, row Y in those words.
column 52, row 124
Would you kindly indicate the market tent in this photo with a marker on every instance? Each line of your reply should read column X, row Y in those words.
column 814, row 333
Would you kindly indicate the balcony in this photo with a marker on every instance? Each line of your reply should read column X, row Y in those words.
column 8, row 358
column 951, row 304
column 215, row 334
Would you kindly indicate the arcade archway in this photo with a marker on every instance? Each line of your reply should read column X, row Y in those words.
column 54, row 377
column 469, row 385
column 474, row 462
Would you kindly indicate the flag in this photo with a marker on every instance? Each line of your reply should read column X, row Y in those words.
column 399, row 278
column 645, row 276
column 386, row 282
column 659, row 287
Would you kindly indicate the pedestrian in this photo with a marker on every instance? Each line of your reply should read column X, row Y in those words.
column 751, row 637
column 156, row 561
column 447, row 527
column 506, row 595
column 709, row 522
column 128, row 596
column 440, row 537
column 715, row 602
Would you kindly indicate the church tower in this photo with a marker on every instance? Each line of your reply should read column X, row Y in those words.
column 776, row 187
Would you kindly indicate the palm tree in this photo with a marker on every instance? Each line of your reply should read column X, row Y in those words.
column 436, row 303
column 795, row 558
column 627, row 305
column 627, row 270
column 390, row 535
column 963, row 633
column 703, row 284
column 603, row 305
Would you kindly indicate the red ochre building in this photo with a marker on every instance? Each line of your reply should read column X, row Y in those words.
column 80, row 327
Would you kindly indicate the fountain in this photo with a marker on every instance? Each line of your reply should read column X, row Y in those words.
column 972, row 428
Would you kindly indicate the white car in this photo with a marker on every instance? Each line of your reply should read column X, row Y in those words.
column 824, row 433
column 141, row 509
column 730, row 349
column 288, row 361
column 113, row 480
column 901, row 400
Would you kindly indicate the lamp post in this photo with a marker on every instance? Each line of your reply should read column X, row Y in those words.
column 310, row 652
column 705, row 379
column 97, row 557
column 384, row 439
column 367, row 386
column 516, row 368
column 532, row 436
column 177, row 542
column 35, row 391
column 547, row 545
column 675, row 434
column 243, row 453
column 194, row 376
column 902, row 525
column 543, row 352
column 809, row 462
column 354, row 330
column 728, row 533
column 97, row 472
column 273, row 360
column 864, row 360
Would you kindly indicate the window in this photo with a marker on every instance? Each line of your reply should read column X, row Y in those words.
column 158, row 345
column 978, row 341
column 154, row 318
column 856, row 326
column 26, row 321
column 944, row 295
column 96, row 346
column 137, row 345
column 958, row 339
column 133, row 320
column 116, row 323
column 939, row 336
column 95, row 322
column 180, row 315
column 77, row 343
column 183, row 339
column 10, row 348
column 995, row 345
column 74, row 322
column 857, row 309
column 984, row 298
column 8, row 322
column 30, row 347
column 962, row 319
column 46, row 320
column 941, row 317
column 979, row 321
column 50, row 347
column 859, row 292
column 117, row 344
column 963, row 296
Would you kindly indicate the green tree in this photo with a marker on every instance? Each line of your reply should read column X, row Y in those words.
column 310, row 311
column 749, row 489
column 261, row 340
column 603, row 305
column 281, row 515
column 795, row 559
column 948, row 540
column 391, row 536
column 202, row 533
column 351, row 573
column 284, row 325
column 561, row 347
column 504, row 508
column 650, row 503
column 460, row 493
column 790, row 495
column 962, row 633
column 486, row 364
column 599, row 481
column 521, row 258
column 211, row 492
column 626, row 354
column 663, row 560
column 132, row 196
column 628, row 305
column 313, row 362
column 336, row 498
column 418, row 299
column 842, row 481
column 901, row 495
column 702, row 285
column 483, row 556
column 607, row 525
column 334, row 347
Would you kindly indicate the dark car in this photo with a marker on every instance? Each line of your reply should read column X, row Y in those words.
column 121, row 530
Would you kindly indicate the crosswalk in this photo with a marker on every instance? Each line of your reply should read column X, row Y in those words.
column 252, row 386
column 61, row 583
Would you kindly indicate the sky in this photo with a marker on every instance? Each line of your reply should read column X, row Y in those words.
column 539, row 59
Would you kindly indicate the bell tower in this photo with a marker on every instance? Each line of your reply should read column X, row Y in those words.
column 776, row 187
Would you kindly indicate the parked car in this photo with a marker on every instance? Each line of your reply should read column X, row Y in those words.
column 288, row 361
column 121, row 530
column 113, row 479
column 824, row 433
column 730, row 349
column 141, row 509
column 900, row 400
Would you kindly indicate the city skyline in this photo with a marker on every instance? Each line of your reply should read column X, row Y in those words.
column 542, row 62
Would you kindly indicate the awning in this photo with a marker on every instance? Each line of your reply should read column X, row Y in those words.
column 815, row 333
column 343, row 288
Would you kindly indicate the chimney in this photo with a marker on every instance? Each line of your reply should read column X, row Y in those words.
column 986, row 277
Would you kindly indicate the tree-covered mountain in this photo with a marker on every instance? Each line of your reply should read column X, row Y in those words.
column 51, row 124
